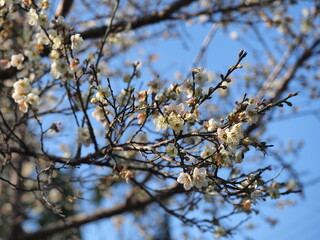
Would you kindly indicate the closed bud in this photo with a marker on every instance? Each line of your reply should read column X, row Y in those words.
column 94, row 100
column 240, row 52
column 211, row 90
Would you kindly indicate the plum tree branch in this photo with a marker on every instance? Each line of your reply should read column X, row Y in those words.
column 130, row 204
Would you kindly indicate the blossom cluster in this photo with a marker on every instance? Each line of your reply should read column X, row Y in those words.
column 51, row 36
column 197, row 180
column 23, row 95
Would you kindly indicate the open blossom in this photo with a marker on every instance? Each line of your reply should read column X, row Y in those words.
column 255, row 195
column 207, row 151
column 222, row 135
column 23, row 96
column 187, row 88
column 251, row 113
column 200, row 76
column 212, row 125
column 21, row 89
column 160, row 122
column 102, row 94
column 76, row 41
column 225, row 156
column 219, row 232
column 17, row 61
column 176, row 122
column 84, row 136
column 32, row 17
column 42, row 18
column 42, row 38
column 154, row 86
column 192, row 117
column 171, row 150
column 58, row 68
column 33, row 99
column 273, row 191
column 185, row 179
column 235, row 135
column 60, row 22
column 199, row 177
column 172, row 107
column 55, row 38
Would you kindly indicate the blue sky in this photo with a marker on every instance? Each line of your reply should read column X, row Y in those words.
column 295, row 222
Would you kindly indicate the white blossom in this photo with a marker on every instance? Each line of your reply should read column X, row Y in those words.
column 187, row 88
column 172, row 107
column 42, row 38
column 58, row 68
column 32, row 17
column 42, row 18
column 60, row 22
column 239, row 156
column 33, row 99
column 84, row 136
column 212, row 125
column 219, row 232
column 17, row 61
column 185, row 179
column 251, row 113
column 235, row 135
column 192, row 117
column 199, row 177
column 171, row 150
column 225, row 155
column 176, row 122
column 160, row 122
column 21, row 89
column 102, row 94
column 154, row 86
column 76, row 41
column 207, row 151
column 273, row 191
column 255, row 195
column 222, row 135
column 200, row 76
